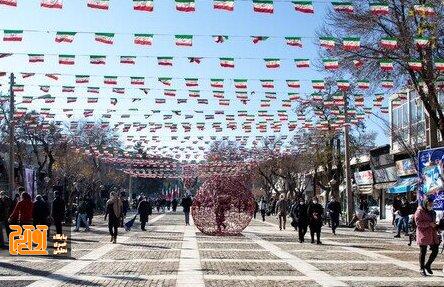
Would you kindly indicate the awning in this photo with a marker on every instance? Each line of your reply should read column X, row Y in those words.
column 405, row 184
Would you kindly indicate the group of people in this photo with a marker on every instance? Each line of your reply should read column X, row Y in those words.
column 303, row 215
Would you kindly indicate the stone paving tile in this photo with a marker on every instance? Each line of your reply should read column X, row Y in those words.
column 150, row 246
column 130, row 268
column 330, row 255
column 203, row 237
column 42, row 268
column 248, row 268
column 236, row 255
column 124, row 254
column 252, row 246
column 261, row 283
column 10, row 283
column 395, row 284
column 365, row 269
column 133, row 282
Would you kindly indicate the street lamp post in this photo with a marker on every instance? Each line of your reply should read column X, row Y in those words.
column 348, row 186
column 11, row 135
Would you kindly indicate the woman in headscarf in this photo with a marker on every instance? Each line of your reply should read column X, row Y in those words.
column 426, row 235
column 114, row 210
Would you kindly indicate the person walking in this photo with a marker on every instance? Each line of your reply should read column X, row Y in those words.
column 174, row 204
column 114, row 213
column 22, row 213
column 40, row 211
column 263, row 205
column 256, row 208
column 426, row 235
column 125, row 206
column 300, row 214
column 5, row 211
column 90, row 209
column 82, row 214
column 315, row 211
column 145, row 209
column 187, row 201
column 58, row 211
column 334, row 209
column 403, row 221
column 395, row 207
column 281, row 211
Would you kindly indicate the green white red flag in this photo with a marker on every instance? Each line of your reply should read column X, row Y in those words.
column 227, row 5
column 105, row 38
column 165, row 61
column 110, row 80
column 185, row 5
column 294, row 84
column 386, row 65
column 71, row 100
column 421, row 42
column 82, row 79
column 68, row 89
column 65, row 37
column 267, row 84
column 137, row 81
column 263, row 6
column 97, row 60
column 184, row 40
column 143, row 39
column 294, row 96
column 294, row 41
column 439, row 65
column 67, row 59
column 44, row 89
column 226, row 62
column 195, row 60
column 387, row 84
column 92, row 100
column 302, row 63
column 52, row 4
column 119, row 91
column 379, row 9
column 327, row 42
column 363, row 84
column 258, row 39
column 36, row 58
column 220, row 38
column 415, row 65
column 18, row 88
column 389, row 43
column 217, row 83
column 218, row 94
column 304, row 6
column 318, row 84
column 165, row 81
column 343, row 85
column 194, row 93
column 351, row 44
column 98, row 4
column 27, row 75
column 425, row 10
column 331, row 64
column 191, row 82
column 13, row 35
column 343, row 7
column 143, row 5
column 11, row 3
column 272, row 63
column 169, row 93
column 27, row 99
column 131, row 60
column 93, row 90
column 240, row 83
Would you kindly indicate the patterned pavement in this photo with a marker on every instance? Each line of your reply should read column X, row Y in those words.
column 171, row 254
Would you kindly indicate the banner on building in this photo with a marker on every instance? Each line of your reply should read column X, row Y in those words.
column 405, row 167
column 30, row 182
column 364, row 177
column 431, row 176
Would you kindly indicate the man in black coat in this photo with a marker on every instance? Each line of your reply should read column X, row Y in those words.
column 300, row 215
column 334, row 209
column 40, row 211
column 174, row 204
column 58, row 211
column 6, row 209
column 145, row 209
column 186, row 204
column 315, row 212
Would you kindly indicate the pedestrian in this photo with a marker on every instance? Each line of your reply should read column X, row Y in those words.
column 273, row 206
column 334, row 209
column 5, row 211
column 145, row 209
column 125, row 206
column 40, row 211
column 426, row 235
column 22, row 213
column 315, row 211
column 114, row 213
column 395, row 207
column 256, row 208
column 16, row 199
column 300, row 215
column 82, row 214
column 281, row 211
column 174, row 204
column 363, row 205
column 91, row 208
column 58, row 211
column 263, row 205
column 403, row 221
column 187, row 201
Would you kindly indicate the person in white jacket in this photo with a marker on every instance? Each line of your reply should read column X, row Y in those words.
column 263, row 206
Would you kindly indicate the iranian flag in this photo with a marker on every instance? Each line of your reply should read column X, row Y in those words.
column 439, row 65
column 358, row 64
column 98, row 4
column 27, row 75
column 67, row 59
column 386, row 65
column 68, row 89
column 304, row 6
column 224, row 102
column 218, row 94
column 143, row 39
column 36, row 58
column 415, row 65
column 327, row 42
column 71, row 100
column 185, row 5
column 344, row 7
column 27, row 99
column 263, row 6
column 317, row 97
column 97, row 60
column 217, row 83
column 119, row 91
column 379, row 9
column 128, row 60
column 302, row 63
column 440, row 83
column 272, row 63
column 64, row 37
column 184, row 40
column 165, row 81
column 13, row 35
column 194, row 93
column 387, row 84
column 294, row 41
column 44, row 89
column 105, row 38
column 195, row 60
column 424, row 10
column 110, row 80
column 389, row 43
column 137, row 81
column 18, row 88
column 293, row 96
column 331, row 64
column 227, row 5
column 93, row 90
column 82, row 79
column 240, row 83
column 191, row 82
column 265, row 103
column 220, row 38
column 351, row 43
column 421, row 42
column 226, row 62
column 165, row 61
column 54, row 4
column 318, row 84
column 12, row 3
column 267, row 84
column 92, row 100
column 143, row 5
column 169, row 93
column 294, row 84
column 338, row 99
column 258, row 39
column 363, row 84
column 343, row 85
column 160, row 101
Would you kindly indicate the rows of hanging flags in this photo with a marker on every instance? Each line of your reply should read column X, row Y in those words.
column 376, row 8
column 330, row 64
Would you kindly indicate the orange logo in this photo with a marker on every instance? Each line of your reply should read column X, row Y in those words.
column 28, row 240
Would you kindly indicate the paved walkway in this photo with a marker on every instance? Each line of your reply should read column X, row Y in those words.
column 171, row 254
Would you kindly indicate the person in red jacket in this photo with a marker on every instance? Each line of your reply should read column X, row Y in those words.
column 22, row 213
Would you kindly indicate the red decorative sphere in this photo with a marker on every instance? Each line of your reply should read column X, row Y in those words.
column 224, row 205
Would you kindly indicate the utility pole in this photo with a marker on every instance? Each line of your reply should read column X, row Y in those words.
column 348, row 186
column 11, row 135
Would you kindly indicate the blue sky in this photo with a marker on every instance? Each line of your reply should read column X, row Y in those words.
column 122, row 19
